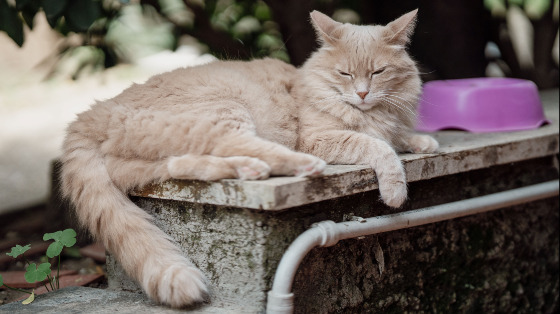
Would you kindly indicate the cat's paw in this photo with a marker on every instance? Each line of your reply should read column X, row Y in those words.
column 248, row 168
column 423, row 144
column 314, row 167
column 393, row 194
column 178, row 286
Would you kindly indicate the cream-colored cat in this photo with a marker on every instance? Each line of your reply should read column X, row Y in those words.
column 353, row 102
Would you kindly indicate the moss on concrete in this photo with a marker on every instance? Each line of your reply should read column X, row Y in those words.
column 501, row 261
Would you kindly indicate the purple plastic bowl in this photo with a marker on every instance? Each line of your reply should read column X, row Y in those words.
column 480, row 105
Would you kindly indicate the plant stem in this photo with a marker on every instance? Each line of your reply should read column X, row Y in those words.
column 58, row 273
column 16, row 289
column 50, row 282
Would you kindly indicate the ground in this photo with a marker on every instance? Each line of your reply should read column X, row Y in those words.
column 27, row 227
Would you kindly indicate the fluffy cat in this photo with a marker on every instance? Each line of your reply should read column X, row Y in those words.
column 352, row 102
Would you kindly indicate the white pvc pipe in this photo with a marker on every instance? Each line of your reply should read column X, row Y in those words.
column 328, row 233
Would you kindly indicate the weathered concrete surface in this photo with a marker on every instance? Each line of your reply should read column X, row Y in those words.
column 505, row 260
column 91, row 300
column 459, row 152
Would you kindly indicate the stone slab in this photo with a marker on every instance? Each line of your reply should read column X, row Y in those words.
column 92, row 300
column 459, row 152
column 455, row 266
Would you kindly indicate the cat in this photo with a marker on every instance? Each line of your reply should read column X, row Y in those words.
column 352, row 102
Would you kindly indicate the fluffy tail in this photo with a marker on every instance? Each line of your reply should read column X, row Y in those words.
column 145, row 252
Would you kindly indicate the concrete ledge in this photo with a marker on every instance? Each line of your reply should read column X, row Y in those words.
column 460, row 152
column 92, row 300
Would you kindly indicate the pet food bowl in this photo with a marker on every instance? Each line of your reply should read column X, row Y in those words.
column 480, row 105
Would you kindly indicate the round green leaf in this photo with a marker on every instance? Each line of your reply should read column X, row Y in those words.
column 68, row 237
column 34, row 273
column 52, row 236
column 54, row 249
column 18, row 250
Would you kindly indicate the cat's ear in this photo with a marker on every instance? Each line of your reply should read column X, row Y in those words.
column 400, row 30
column 327, row 29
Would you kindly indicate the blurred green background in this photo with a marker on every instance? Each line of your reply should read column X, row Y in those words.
column 453, row 39
column 57, row 57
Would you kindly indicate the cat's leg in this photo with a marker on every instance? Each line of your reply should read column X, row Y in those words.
column 210, row 168
column 282, row 160
column 128, row 173
column 348, row 147
column 420, row 143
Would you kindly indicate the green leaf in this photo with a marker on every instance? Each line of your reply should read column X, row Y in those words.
column 52, row 236
column 28, row 9
column 80, row 14
column 535, row 9
column 36, row 273
column 61, row 239
column 1, row 281
column 54, row 249
column 18, row 250
column 11, row 23
column 29, row 299
column 22, row 3
column 28, row 16
column 53, row 8
column 54, row 21
column 66, row 237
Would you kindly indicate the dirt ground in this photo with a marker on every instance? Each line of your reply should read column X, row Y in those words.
column 28, row 227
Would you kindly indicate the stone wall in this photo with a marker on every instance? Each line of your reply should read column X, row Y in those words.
column 501, row 261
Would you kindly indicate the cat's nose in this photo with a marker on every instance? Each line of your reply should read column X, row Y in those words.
column 362, row 94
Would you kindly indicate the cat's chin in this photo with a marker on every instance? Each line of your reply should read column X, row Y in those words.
column 364, row 106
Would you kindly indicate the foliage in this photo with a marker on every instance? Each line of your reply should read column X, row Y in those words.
column 126, row 30
column 66, row 238
column 41, row 272
column 63, row 15
column 232, row 29
column 36, row 273
column 18, row 250
column 535, row 9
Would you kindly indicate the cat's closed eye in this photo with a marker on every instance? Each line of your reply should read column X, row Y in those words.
column 378, row 71
column 346, row 74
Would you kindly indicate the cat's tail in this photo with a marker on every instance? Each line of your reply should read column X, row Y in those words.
column 145, row 252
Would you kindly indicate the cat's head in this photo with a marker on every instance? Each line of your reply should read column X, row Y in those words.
column 365, row 66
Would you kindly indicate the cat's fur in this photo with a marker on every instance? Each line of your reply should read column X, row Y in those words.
column 242, row 120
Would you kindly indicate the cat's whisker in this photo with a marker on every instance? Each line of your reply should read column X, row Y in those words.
column 399, row 106
column 403, row 99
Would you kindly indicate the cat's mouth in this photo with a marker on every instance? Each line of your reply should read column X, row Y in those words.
column 363, row 105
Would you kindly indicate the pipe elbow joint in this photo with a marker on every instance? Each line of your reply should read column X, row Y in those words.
column 329, row 234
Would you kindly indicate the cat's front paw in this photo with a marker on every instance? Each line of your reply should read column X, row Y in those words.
column 315, row 167
column 393, row 194
column 423, row 144
column 178, row 286
column 248, row 168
